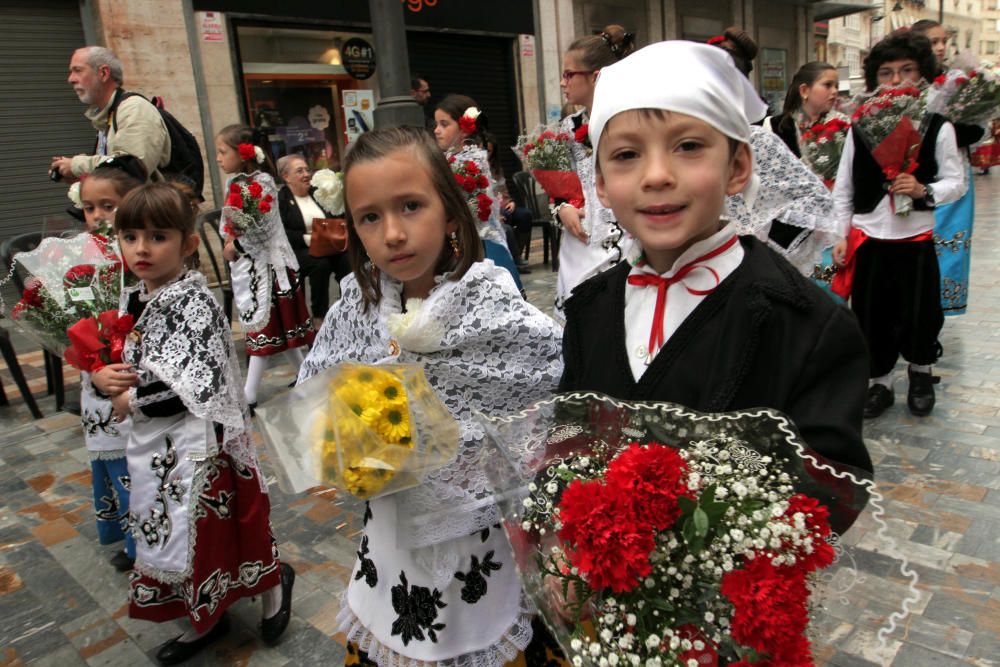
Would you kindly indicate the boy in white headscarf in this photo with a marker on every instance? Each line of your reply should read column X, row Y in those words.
column 695, row 314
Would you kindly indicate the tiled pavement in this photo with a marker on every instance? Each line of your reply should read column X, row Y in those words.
column 62, row 604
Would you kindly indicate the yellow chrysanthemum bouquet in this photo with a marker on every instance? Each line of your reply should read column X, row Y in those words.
column 367, row 430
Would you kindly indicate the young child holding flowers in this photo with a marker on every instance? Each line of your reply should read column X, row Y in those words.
column 101, row 192
column 891, row 270
column 199, row 506
column 696, row 315
column 268, row 294
column 435, row 581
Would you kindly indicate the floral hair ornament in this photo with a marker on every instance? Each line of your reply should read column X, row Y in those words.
column 251, row 152
column 74, row 194
column 618, row 50
column 718, row 39
column 468, row 120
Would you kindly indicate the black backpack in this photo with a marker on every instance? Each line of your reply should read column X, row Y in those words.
column 185, row 154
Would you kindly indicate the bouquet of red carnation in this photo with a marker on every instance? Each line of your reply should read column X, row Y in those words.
column 970, row 98
column 822, row 145
column 98, row 341
column 66, row 279
column 546, row 153
column 475, row 185
column 648, row 533
column 247, row 210
column 890, row 122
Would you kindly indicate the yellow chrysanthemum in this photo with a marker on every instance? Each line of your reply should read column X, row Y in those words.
column 394, row 424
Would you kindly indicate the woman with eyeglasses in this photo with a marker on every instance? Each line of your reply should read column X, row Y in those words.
column 298, row 210
column 593, row 240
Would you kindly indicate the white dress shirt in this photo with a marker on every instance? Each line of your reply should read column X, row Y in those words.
column 640, row 302
column 948, row 185
column 309, row 210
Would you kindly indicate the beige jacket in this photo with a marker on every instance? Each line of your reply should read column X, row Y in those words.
column 141, row 132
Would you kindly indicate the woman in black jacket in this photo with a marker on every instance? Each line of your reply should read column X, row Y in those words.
column 298, row 208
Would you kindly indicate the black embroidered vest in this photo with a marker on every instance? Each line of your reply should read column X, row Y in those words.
column 869, row 181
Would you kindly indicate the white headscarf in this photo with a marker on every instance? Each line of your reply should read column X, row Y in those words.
column 690, row 78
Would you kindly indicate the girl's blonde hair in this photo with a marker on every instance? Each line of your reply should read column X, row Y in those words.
column 378, row 144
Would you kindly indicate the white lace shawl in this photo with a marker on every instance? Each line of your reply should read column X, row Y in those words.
column 492, row 229
column 271, row 248
column 489, row 352
column 184, row 341
column 598, row 221
column 784, row 188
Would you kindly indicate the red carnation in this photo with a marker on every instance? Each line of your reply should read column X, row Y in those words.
column 770, row 611
column 939, row 80
column 653, row 476
column 582, row 134
column 471, row 167
column 79, row 276
column 265, row 207
column 468, row 184
column 234, row 200
column 16, row 311
column 528, row 148
column 481, row 182
column 605, row 541
column 234, row 188
column 247, row 152
column 255, row 189
column 268, row 198
column 467, row 124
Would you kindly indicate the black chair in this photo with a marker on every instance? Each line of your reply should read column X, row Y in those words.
column 53, row 363
column 523, row 185
column 208, row 229
column 14, row 366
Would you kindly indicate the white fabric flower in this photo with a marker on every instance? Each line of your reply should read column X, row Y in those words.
column 74, row 195
column 329, row 190
column 258, row 154
column 472, row 112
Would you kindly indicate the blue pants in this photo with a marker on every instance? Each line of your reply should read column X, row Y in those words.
column 953, row 243
column 111, row 495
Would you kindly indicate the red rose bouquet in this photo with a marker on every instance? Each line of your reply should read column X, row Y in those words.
column 247, row 210
column 98, row 341
column 475, row 185
column 890, row 122
column 822, row 145
column 647, row 533
column 65, row 280
column 969, row 97
column 546, row 153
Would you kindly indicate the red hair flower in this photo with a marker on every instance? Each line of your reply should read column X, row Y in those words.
column 718, row 39
column 247, row 152
column 468, row 120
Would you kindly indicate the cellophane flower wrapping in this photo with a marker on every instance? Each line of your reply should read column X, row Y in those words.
column 546, row 153
column 822, row 145
column 891, row 123
column 329, row 192
column 647, row 531
column 247, row 209
column 367, row 430
column 475, row 184
column 969, row 97
column 66, row 280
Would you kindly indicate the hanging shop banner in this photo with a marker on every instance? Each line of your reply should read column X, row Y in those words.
column 773, row 77
column 359, row 106
column 358, row 58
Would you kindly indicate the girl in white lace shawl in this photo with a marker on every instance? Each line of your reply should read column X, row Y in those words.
column 269, row 298
column 199, row 507
column 435, row 581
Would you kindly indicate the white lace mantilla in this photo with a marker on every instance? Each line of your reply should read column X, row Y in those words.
column 183, row 340
column 267, row 257
column 492, row 229
column 784, row 188
column 496, row 353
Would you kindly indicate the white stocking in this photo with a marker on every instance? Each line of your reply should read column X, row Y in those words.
column 296, row 356
column 255, row 372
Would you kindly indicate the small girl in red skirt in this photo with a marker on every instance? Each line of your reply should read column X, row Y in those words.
column 270, row 301
column 199, row 509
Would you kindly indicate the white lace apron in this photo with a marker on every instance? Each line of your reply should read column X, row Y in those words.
column 104, row 438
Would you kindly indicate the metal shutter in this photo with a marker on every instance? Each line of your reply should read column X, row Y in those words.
column 480, row 67
column 40, row 116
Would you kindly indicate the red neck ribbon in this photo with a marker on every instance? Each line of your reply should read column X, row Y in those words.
column 661, row 284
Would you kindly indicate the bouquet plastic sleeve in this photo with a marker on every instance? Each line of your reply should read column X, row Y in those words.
column 368, row 430
column 563, row 185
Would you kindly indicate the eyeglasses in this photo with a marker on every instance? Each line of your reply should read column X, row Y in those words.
column 906, row 72
column 570, row 73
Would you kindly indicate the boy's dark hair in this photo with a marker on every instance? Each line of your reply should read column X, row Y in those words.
column 903, row 44
column 234, row 135
column 455, row 105
column 124, row 172
column 605, row 48
column 378, row 144
column 156, row 206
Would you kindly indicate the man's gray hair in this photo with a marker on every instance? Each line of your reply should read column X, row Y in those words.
column 98, row 56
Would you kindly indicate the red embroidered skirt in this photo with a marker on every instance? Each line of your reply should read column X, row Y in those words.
column 235, row 555
column 289, row 324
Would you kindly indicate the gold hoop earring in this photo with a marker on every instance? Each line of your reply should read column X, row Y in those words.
column 456, row 250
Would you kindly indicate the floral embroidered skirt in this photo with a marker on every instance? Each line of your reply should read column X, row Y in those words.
column 289, row 325
column 953, row 243
column 235, row 555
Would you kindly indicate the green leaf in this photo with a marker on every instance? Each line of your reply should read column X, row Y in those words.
column 686, row 504
column 700, row 520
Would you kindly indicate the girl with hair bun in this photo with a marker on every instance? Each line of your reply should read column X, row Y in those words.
column 593, row 240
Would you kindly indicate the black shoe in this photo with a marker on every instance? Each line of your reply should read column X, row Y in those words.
column 253, row 408
column 880, row 398
column 175, row 651
column 122, row 562
column 272, row 628
column 523, row 269
column 920, row 397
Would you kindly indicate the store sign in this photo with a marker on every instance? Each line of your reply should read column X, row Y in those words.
column 359, row 107
column 773, row 76
column 358, row 58
column 527, row 43
column 211, row 27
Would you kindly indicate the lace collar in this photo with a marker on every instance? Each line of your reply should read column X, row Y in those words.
column 169, row 288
